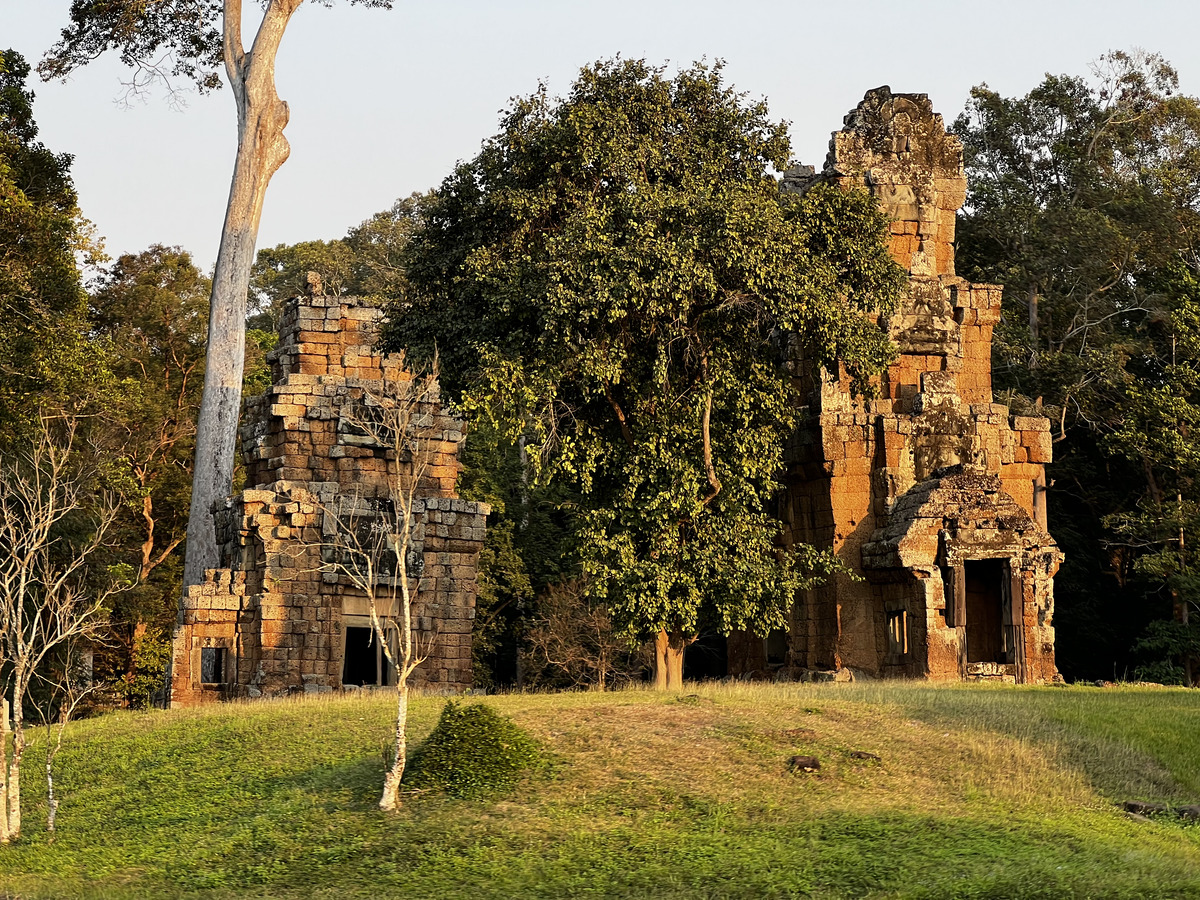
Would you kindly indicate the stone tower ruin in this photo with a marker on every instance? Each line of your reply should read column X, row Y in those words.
column 273, row 619
column 932, row 494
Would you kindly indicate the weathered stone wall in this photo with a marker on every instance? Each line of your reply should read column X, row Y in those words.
column 856, row 467
column 277, row 617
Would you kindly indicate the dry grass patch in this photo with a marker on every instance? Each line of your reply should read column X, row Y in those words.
column 734, row 749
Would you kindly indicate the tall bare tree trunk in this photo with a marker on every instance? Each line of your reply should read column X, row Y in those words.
column 262, row 149
column 668, row 661
column 1033, row 326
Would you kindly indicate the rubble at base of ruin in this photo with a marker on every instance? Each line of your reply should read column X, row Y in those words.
column 932, row 494
column 274, row 620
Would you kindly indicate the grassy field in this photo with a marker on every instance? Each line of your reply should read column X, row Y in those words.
column 980, row 792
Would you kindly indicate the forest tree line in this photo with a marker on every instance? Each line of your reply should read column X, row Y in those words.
column 1083, row 202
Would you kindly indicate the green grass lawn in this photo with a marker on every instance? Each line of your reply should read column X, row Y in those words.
column 980, row 792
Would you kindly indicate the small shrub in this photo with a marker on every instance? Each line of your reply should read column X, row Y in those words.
column 473, row 751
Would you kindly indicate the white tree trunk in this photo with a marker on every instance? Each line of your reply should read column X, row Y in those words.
column 14, row 769
column 403, row 497
column 262, row 149
column 391, row 782
column 5, row 836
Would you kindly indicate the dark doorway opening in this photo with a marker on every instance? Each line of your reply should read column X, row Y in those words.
column 986, row 614
column 706, row 657
column 212, row 665
column 361, row 664
column 776, row 648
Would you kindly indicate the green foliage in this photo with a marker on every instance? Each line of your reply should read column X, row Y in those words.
column 367, row 262
column 530, row 544
column 1081, row 192
column 257, row 374
column 504, row 590
column 139, row 687
column 148, row 323
column 473, row 751
column 280, row 273
column 1084, row 201
column 618, row 279
column 378, row 245
column 43, row 356
column 1164, row 643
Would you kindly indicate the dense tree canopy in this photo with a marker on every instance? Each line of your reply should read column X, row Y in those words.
column 619, row 278
column 148, row 317
column 1084, row 201
column 42, row 302
column 367, row 262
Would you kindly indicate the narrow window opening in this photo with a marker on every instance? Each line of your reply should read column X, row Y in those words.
column 212, row 665
column 897, row 627
column 361, row 665
column 364, row 663
column 947, row 610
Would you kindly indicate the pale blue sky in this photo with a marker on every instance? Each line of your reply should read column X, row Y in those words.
column 384, row 103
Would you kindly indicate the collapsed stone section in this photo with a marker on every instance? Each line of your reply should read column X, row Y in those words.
column 931, row 493
column 271, row 621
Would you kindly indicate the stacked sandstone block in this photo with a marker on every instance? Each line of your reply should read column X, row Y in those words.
column 324, row 361
column 897, row 146
column 277, row 608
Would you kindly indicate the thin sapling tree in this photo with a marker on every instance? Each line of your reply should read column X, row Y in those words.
column 52, row 524
column 374, row 542
column 67, row 688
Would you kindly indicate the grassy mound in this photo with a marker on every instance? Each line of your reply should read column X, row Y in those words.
column 473, row 751
column 978, row 792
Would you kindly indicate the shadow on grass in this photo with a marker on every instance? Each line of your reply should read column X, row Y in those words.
column 458, row 850
column 1126, row 744
column 350, row 784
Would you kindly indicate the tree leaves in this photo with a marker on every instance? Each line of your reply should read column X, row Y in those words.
column 1084, row 203
column 614, row 277
column 41, row 299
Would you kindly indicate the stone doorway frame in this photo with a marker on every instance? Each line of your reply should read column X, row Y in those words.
column 1012, row 613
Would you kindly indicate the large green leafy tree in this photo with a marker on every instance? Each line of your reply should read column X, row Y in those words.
column 42, row 302
column 618, row 277
column 148, row 315
column 1155, row 429
column 1083, row 199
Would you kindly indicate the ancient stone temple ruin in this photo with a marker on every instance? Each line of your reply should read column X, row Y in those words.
column 932, row 494
column 271, row 620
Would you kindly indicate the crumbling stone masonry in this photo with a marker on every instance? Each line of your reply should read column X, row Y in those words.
column 932, row 494
column 270, row 621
